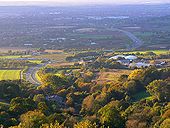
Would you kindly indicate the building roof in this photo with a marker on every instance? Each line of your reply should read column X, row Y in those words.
column 117, row 56
column 131, row 57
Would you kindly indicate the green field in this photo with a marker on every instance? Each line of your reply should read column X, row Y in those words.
column 14, row 57
column 56, row 57
column 36, row 61
column 158, row 52
column 10, row 74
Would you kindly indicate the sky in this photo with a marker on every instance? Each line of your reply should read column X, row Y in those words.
column 86, row 1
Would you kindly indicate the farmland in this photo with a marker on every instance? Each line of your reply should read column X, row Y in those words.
column 10, row 74
column 14, row 56
column 158, row 52
column 55, row 57
column 62, row 64
column 111, row 75
column 35, row 61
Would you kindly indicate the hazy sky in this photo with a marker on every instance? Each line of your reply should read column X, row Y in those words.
column 89, row 1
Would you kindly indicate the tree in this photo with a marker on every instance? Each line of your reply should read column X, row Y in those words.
column 145, row 75
column 133, row 87
column 150, row 54
column 51, row 125
column 123, row 78
column 39, row 98
column 165, row 124
column 53, row 81
column 88, row 76
column 160, row 89
column 32, row 119
column 9, row 90
column 136, row 75
column 20, row 105
column 88, row 103
column 110, row 116
column 85, row 124
column 42, row 106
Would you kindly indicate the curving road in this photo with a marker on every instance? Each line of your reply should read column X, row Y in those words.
column 31, row 74
column 136, row 41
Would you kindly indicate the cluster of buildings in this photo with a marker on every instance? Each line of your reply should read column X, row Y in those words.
column 133, row 61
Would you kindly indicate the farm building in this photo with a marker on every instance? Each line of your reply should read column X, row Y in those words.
column 117, row 57
column 129, row 57
column 139, row 65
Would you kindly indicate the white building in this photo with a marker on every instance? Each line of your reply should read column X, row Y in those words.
column 128, row 57
column 139, row 65
column 116, row 57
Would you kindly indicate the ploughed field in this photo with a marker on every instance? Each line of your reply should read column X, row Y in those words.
column 10, row 74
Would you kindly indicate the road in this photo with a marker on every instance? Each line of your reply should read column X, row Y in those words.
column 136, row 42
column 31, row 74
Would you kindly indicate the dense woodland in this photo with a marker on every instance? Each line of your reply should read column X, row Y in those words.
column 76, row 101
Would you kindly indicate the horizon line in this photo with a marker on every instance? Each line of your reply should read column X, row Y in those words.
column 44, row 3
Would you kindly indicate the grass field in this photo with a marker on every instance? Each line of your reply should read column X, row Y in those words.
column 158, row 52
column 36, row 61
column 13, row 49
column 10, row 74
column 56, row 57
column 111, row 75
column 62, row 64
column 52, row 51
column 13, row 57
